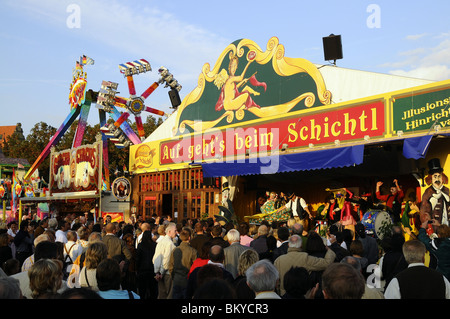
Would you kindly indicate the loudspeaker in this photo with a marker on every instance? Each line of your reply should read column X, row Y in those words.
column 332, row 47
column 174, row 98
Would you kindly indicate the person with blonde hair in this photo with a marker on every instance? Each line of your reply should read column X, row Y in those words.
column 72, row 249
column 96, row 252
column 246, row 259
column 45, row 278
column 83, row 237
column 79, row 262
column 30, row 260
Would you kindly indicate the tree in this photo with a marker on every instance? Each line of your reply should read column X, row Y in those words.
column 15, row 146
column 39, row 137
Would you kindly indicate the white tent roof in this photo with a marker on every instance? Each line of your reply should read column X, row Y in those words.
column 347, row 84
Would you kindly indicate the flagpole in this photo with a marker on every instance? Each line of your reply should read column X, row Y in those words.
column 13, row 195
column 20, row 210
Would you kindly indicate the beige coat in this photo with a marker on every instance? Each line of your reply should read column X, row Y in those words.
column 180, row 263
column 297, row 258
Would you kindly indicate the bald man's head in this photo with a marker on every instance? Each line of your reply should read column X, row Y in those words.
column 110, row 228
column 216, row 254
column 145, row 226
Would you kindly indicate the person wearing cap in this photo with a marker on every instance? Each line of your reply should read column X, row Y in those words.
column 364, row 203
column 435, row 199
column 298, row 207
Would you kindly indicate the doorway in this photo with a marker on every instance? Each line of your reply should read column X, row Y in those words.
column 167, row 204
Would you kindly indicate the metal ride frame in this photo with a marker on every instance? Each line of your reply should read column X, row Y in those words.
column 106, row 102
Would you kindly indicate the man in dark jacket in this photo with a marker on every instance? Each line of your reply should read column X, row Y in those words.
column 200, row 238
column 217, row 237
column 260, row 242
column 335, row 241
column 216, row 262
column 24, row 241
column 370, row 244
column 283, row 236
column 116, row 246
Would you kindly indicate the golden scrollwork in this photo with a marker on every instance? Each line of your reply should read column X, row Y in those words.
column 282, row 65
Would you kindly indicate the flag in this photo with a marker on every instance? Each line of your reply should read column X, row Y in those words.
column 85, row 60
column 405, row 217
column 77, row 70
column 104, row 185
column 2, row 190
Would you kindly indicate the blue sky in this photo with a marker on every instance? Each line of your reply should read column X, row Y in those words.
column 41, row 40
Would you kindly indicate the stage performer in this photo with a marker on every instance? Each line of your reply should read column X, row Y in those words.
column 330, row 211
column 393, row 199
column 281, row 200
column 363, row 203
column 269, row 205
column 347, row 219
column 435, row 200
column 298, row 209
column 269, row 211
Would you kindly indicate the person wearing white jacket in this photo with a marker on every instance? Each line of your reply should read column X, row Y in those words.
column 161, row 260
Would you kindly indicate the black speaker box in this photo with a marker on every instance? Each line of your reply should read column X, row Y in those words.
column 332, row 47
column 174, row 98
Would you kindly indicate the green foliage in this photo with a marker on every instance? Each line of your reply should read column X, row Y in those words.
column 32, row 146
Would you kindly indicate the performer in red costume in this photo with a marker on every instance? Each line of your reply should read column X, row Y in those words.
column 393, row 200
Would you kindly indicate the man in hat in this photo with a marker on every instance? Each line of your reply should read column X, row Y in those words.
column 298, row 208
column 435, row 200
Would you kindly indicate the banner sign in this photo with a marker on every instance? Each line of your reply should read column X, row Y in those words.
column 115, row 216
column 76, row 170
column 344, row 124
column 422, row 111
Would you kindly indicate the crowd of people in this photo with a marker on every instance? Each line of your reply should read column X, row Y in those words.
column 158, row 258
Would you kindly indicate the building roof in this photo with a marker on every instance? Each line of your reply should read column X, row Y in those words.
column 6, row 131
column 7, row 161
